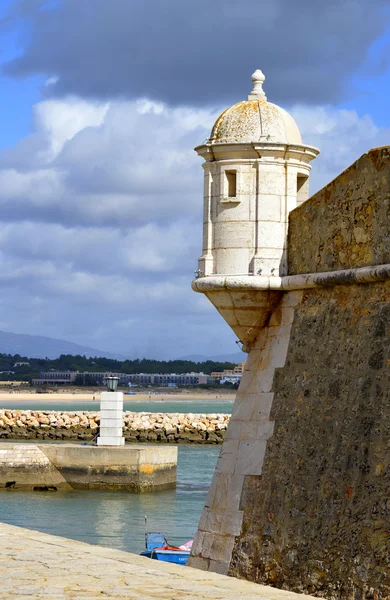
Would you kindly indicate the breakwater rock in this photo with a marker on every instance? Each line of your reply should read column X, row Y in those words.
column 172, row 428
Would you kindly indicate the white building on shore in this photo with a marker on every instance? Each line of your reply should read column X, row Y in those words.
column 125, row 379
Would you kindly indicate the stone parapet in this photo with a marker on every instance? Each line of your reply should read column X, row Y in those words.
column 346, row 224
column 172, row 428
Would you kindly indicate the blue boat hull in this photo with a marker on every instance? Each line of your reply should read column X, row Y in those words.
column 171, row 556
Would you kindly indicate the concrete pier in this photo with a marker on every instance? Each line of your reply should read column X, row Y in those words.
column 71, row 466
column 35, row 565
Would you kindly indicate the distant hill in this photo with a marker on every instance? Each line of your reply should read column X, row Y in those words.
column 37, row 346
column 237, row 357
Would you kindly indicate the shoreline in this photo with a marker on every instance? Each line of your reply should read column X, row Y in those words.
column 94, row 397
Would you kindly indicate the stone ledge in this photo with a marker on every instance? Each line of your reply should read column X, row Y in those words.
column 85, row 570
column 302, row 281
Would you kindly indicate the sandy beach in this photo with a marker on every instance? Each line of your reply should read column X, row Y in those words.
column 25, row 396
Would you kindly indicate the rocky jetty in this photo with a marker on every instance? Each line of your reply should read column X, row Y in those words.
column 175, row 428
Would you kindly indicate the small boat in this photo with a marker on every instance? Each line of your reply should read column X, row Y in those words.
column 158, row 548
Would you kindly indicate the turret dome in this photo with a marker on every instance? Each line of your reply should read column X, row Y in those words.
column 255, row 120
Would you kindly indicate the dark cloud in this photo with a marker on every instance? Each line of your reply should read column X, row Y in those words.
column 199, row 52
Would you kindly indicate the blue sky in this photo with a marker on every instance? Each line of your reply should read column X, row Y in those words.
column 102, row 103
column 370, row 86
column 17, row 95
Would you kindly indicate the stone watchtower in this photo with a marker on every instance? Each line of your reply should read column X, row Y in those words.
column 300, row 493
column 256, row 171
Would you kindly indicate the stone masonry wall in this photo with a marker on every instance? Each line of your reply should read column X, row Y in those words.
column 317, row 519
column 300, row 497
column 346, row 224
column 172, row 428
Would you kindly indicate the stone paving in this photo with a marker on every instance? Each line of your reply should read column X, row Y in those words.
column 36, row 565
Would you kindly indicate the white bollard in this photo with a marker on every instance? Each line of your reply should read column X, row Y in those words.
column 111, row 419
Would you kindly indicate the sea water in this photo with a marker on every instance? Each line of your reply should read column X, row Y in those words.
column 152, row 405
column 119, row 519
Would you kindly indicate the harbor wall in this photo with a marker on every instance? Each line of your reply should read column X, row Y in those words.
column 300, row 496
column 52, row 467
column 174, row 428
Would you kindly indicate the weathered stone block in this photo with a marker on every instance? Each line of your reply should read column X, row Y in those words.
column 233, row 431
column 250, row 457
column 228, row 490
column 227, row 457
column 244, row 406
column 263, row 382
column 219, row 566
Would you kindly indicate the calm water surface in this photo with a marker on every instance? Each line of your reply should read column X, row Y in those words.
column 117, row 519
column 165, row 406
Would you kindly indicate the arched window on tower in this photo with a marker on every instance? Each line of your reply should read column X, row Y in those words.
column 302, row 188
column 231, row 181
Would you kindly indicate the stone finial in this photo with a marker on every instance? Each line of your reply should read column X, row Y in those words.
column 257, row 93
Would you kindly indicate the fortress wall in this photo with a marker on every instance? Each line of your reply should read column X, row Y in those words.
column 308, row 509
column 317, row 518
column 300, row 497
column 346, row 224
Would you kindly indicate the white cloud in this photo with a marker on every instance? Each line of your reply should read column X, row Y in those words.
column 51, row 81
column 342, row 137
column 101, row 210
column 101, row 222
column 59, row 121
column 105, row 164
